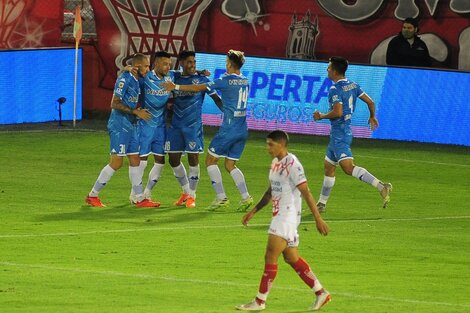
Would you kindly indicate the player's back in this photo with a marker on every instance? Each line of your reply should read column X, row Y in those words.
column 234, row 94
column 187, row 108
column 346, row 92
column 127, row 88
column 156, row 97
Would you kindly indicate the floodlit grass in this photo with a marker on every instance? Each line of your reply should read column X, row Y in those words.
column 58, row 255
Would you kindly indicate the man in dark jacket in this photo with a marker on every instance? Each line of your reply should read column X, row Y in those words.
column 407, row 48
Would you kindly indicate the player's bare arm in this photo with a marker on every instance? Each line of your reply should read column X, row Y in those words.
column 117, row 104
column 335, row 113
column 170, row 86
column 132, row 69
column 322, row 227
column 373, row 122
column 261, row 204
column 218, row 101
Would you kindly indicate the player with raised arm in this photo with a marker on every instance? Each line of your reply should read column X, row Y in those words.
column 288, row 185
column 342, row 98
column 185, row 133
column 122, row 129
column 230, row 140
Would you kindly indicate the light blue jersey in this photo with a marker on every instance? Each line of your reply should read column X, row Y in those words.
column 122, row 127
column 345, row 92
column 152, row 133
column 156, row 97
column 185, row 133
column 230, row 141
column 234, row 93
column 187, row 109
column 128, row 90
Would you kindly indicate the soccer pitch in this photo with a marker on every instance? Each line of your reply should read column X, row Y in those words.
column 59, row 255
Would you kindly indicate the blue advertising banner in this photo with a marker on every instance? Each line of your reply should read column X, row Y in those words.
column 33, row 80
column 411, row 104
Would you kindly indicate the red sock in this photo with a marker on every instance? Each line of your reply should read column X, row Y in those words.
column 303, row 269
column 270, row 272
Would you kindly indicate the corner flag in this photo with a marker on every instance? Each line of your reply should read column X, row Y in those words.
column 77, row 25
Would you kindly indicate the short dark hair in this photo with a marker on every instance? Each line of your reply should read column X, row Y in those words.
column 186, row 54
column 339, row 64
column 236, row 57
column 161, row 54
column 138, row 57
column 278, row 136
column 412, row 21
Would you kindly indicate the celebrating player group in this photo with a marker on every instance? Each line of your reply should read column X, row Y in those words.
column 137, row 129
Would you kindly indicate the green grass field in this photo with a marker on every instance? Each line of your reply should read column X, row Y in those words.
column 58, row 255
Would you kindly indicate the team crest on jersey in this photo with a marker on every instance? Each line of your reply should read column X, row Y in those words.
column 282, row 167
column 167, row 78
column 195, row 81
column 192, row 145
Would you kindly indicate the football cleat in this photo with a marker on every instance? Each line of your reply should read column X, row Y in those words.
column 94, row 201
column 182, row 200
column 218, row 204
column 190, row 203
column 245, row 204
column 321, row 207
column 252, row 306
column 385, row 193
column 146, row 203
column 322, row 299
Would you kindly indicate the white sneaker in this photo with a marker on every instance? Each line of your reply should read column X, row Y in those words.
column 252, row 306
column 385, row 193
column 321, row 300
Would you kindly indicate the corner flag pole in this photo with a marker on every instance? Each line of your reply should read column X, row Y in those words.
column 77, row 33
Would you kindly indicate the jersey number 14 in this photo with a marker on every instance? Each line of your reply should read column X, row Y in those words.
column 242, row 98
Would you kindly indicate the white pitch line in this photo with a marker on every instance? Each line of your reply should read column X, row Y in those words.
column 225, row 283
column 131, row 230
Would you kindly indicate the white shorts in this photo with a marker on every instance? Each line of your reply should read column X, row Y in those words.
column 285, row 230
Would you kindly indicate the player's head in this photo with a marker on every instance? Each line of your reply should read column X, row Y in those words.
column 162, row 63
column 277, row 142
column 187, row 62
column 235, row 60
column 141, row 62
column 337, row 68
column 409, row 27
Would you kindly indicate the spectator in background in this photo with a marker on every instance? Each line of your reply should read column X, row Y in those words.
column 407, row 48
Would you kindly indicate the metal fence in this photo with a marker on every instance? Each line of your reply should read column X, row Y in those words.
column 88, row 20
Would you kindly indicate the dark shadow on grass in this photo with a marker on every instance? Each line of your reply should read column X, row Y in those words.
column 142, row 216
